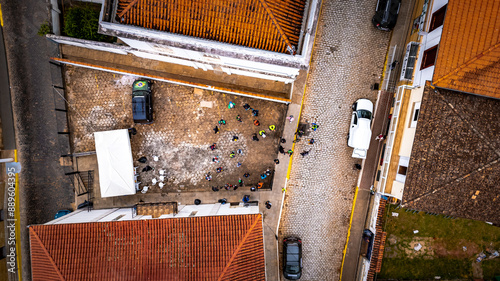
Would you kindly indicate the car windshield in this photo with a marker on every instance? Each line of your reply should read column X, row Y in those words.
column 365, row 114
column 293, row 268
column 382, row 4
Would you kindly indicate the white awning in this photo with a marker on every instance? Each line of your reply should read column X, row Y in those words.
column 114, row 158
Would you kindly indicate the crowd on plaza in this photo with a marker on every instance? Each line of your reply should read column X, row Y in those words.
column 263, row 132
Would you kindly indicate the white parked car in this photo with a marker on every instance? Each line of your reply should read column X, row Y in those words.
column 360, row 132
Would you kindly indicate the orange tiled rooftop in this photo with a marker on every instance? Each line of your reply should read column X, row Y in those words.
column 195, row 248
column 469, row 53
column 272, row 25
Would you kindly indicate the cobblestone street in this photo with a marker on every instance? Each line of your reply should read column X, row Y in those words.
column 182, row 131
column 348, row 57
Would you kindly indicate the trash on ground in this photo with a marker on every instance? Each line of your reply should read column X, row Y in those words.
column 480, row 257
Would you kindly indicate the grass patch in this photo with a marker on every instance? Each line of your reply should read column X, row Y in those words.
column 491, row 268
column 424, row 269
column 442, row 254
column 439, row 227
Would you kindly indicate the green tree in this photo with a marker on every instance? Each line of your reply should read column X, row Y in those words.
column 83, row 22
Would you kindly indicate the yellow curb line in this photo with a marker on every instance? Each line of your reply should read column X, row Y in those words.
column 348, row 233
column 295, row 136
column 1, row 16
column 17, row 216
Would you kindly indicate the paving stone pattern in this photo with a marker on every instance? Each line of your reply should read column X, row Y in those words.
column 348, row 58
column 182, row 131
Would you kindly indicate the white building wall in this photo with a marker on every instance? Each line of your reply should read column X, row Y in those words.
column 409, row 132
column 122, row 214
column 427, row 41
column 436, row 5
column 205, row 61
column 91, row 46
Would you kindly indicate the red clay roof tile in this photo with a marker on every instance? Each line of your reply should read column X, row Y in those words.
column 196, row 248
column 272, row 25
column 469, row 52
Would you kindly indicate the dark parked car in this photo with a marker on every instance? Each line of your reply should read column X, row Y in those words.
column 386, row 14
column 142, row 102
column 292, row 258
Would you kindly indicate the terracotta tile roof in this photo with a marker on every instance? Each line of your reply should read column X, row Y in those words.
column 469, row 53
column 272, row 25
column 455, row 160
column 197, row 248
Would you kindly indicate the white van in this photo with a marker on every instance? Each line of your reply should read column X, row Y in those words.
column 360, row 132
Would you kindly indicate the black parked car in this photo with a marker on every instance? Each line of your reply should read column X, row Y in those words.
column 386, row 14
column 142, row 102
column 292, row 258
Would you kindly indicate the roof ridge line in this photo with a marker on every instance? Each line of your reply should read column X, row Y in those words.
column 452, row 181
column 130, row 5
column 239, row 247
column 478, row 56
column 290, row 48
column 37, row 238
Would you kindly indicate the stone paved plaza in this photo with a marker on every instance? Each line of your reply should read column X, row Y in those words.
column 182, row 131
column 348, row 57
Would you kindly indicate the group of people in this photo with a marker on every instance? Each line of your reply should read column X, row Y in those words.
column 216, row 159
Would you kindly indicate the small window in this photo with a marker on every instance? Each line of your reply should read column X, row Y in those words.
column 429, row 57
column 414, row 117
column 438, row 18
column 402, row 169
column 409, row 60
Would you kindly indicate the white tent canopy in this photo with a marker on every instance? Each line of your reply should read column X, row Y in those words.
column 114, row 158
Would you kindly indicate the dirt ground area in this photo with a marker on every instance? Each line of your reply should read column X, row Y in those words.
column 182, row 132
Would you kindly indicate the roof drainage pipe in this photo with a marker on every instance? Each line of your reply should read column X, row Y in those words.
column 55, row 12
